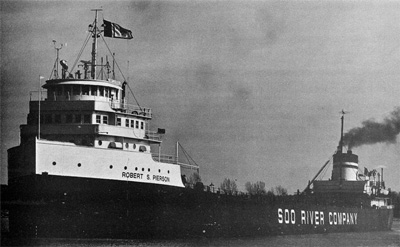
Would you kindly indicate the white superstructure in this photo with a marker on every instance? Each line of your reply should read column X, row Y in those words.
column 85, row 128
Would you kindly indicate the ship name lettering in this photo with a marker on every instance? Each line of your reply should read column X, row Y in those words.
column 312, row 217
column 286, row 216
column 132, row 175
column 341, row 218
column 161, row 178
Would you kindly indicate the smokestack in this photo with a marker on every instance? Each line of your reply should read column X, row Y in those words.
column 372, row 132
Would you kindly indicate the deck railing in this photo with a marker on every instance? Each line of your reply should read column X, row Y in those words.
column 153, row 135
column 132, row 109
column 170, row 159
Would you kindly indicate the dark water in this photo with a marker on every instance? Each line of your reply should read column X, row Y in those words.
column 384, row 238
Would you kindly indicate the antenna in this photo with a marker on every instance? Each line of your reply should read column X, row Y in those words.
column 55, row 67
column 113, row 66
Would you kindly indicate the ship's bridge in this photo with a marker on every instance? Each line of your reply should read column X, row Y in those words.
column 87, row 112
column 110, row 91
column 84, row 89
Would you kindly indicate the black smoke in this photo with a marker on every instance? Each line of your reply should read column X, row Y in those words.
column 372, row 132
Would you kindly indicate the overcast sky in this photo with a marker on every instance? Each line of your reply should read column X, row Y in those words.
column 251, row 89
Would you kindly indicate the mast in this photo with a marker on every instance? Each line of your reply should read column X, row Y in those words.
column 177, row 152
column 94, row 45
column 40, row 98
column 341, row 134
column 340, row 148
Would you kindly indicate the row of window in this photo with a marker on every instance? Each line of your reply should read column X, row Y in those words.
column 83, row 119
column 111, row 167
column 130, row 123
column 84, row 90
column 102, row 119
column 67, row 118
column 127, row 145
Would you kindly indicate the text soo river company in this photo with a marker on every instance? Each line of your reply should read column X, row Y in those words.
column 307, row 217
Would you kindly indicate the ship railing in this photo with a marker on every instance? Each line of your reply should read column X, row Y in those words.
column 153, row 135
column 132, row 109
column 164, row 158
column 170, row 159
column 34, row 95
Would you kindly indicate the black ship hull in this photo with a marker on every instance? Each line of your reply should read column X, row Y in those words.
column 66, row 207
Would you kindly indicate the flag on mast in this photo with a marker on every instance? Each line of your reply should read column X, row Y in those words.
column 113, row 30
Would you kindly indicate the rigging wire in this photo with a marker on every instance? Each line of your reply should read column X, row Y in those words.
column 325, row 170
column 80, row 52
column 109, row 50
column 188, row 157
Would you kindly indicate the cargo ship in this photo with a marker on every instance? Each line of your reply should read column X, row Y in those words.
column 89, row 166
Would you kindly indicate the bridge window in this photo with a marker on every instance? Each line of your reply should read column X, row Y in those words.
column 101, row 91
column 85, row 90
column 105, row 119
column 93, row 90
column 141, row 125
column 112, row 94
column 132, row 123
column 98, row 119
column 76, row 90
column 59, row 90
column 106, row 92
column 68, row 90
column 118, row 121
column 137, row 124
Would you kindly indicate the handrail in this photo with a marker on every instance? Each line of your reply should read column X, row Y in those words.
column 170, row 159
column 153, row 135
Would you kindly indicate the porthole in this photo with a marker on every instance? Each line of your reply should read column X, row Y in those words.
column 135, row 168
column 100, row 142
column 125, row 167
column 142, row 169
column 148, row 170
column 159, row 170
column 111, row 166
column 168, row 171
column 127, row 145
column 79, row 164
column 54, row 163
